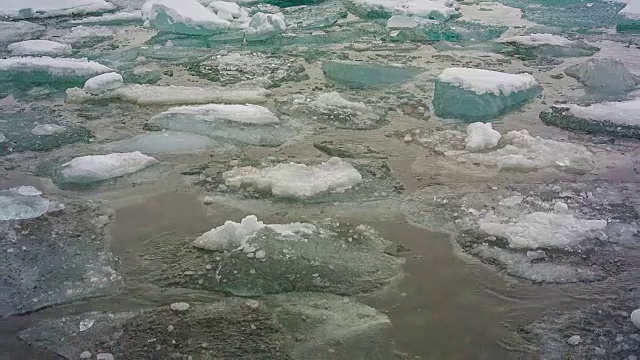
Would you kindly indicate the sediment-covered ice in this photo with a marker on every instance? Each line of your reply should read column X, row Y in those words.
column 39, row 48
column 49, row 8
column 110, row 19
column 243, row 114
column 183, row 17
column 296, row 180
column 93, row 168
column 11, row 31
column 481, row 136
column 104, row 82
column 476, row 94
column 233, row 235
column 23, row 202
column 603, row 76
column 543, row 230
column 174, row 95
column 432, row 9
column 46, row 69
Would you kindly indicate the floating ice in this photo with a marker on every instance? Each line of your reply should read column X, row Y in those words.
column 174, row 95
column 296, row 180
column 548, row 45
column 117, row 18
column 232, row 235
column 523, row 152
column 183, row 17
column 22, row 202
column 48, row 8
column 228, row 11
column 605, row 76
column 432, row 9
column 540, row 229
column 88, row 35
column 166, row 142
column 476, row 94
column 362, row 75
column 342, row 113
column 629, row 17
column 11, row 31
column 47, row 129
column 481, row 136
column 609, row 118
column 102, row 83
column 263, row 26
column 243, row 114
column 93, row 168
column 39, row 47
column 46, row 69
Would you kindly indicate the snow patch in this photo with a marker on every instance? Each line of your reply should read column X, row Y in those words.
column 92, row 168
column 483, row 82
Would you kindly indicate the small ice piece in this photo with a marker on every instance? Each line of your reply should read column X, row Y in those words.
column 47, row 129
column 23, row 202
column 635, row 318
column 179, row 306
column 117, row 18
column 234, row 235
column 264, row 26
column 105, row 356
column 401, row 22
column 93, row 168
column 183, row 17
column 560, row 207
column 49, row 8
column 2, row 138
column 433, row 9
column 477, row 94
column 103, row 82
column 629, row 17
column 85, row 355
column 39, row 48
column 604, row 76
column 86, row 324
column 511, row 201
column 574, row 340
column 243, row 114
column 40, row 69
column 541, row 229
column 88, row 35
column 481, row 136
column 296, row 180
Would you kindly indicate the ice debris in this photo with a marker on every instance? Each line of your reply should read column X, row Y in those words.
column 23, row 202
column 183, row 17
column 296, row 180
column 548, row 45
column 88, row 35
column 603, row 76
column 242, row 114
column 229, row 11
column 103, row 82
column 334, row 109
column 264, row 26
column 432, row 9
column 481, row 136
column 46, row 8
column 361, row 75
column 89, row 169
column 39, row 48
column 166, row 142
column 232, row 235
column 47, row 69
column 476, row 94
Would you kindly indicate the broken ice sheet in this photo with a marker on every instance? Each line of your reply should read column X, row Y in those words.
column 363, row 75
column 46, row 265
column 19, row 203
column 46, row 70
column 168, row 142
column 604, row 76
column 546, row 45
column 432, row 9
column 12, row 31
column 45, row 8
column 460, row 32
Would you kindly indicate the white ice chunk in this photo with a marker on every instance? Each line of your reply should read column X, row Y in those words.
column 266, row 24
column 49, row 8
column 541, row 229
column 47, row 129
column 83, row 34
column 535, row 40
column 486, row 81
column 39, row 47
column 635, row 318
column 296, row 180
column 330, row 101
column 92, row 168
column 62, row 67
column 623, row 112
column 188, row 16
column 443, row 9
column 174, row 95
column 103, row 82
column 22, row 202
column 228, row 11
column 117, row 17
column 481, row 136
column 244, row 114
column 233, row 235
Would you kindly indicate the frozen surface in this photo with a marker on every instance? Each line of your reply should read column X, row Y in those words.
column 22, row 203
column 541, row 229
column 182, row 16
column 103, row 82
column 296, row 180
column 232, row 235
column 174, row 95
column 39, row 47
column 481, row 136
column 49, row 8
column 243, row 114
column 94, row 168
column 606, row 76
column 483, row 82
column 32, row 68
